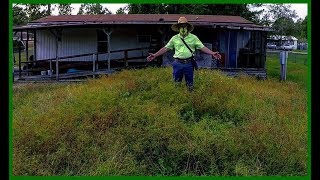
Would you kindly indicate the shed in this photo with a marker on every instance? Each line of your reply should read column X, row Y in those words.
column 107, row 42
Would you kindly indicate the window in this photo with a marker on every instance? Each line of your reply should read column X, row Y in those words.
column 102, row 41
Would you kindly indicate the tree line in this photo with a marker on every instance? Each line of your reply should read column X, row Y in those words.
column 279, row 17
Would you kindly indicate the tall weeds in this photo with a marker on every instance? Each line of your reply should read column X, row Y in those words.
column 139, row 122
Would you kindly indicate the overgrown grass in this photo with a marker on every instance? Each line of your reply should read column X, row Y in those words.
column 139, row 122
column 22, row 56
column 297, row 69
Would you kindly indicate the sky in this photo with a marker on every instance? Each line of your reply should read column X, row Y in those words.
column 300, row 8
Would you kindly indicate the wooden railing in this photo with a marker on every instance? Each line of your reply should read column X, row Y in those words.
column 95, row 59
column 125, row 51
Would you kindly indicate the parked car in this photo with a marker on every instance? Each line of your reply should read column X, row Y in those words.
column 286, row 47
column 271, row 46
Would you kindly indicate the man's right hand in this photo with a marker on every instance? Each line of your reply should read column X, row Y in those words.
column 151, row 57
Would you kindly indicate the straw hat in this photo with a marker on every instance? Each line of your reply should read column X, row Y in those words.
column 182, row 20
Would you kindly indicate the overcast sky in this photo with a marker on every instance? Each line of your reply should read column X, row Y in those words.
column 301, row 9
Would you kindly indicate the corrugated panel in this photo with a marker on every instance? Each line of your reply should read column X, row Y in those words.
column 84, row 41
column 78, row 41
column 120, row 41
column 74, row 42
column 45, row 45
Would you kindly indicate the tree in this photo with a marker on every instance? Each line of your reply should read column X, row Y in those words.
column 286, row 25
column 301, row 29
column 49, row 10
column 282, row 16
column 205, row 9
column 93, row 9
column 121, row 11
column 19, row 15
column 34, row 12
column 146, row 9
column 65, row 9
column 304, row 27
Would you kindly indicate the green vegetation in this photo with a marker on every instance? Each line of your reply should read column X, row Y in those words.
column 23, row 56
column 298, row 50
column 139, row 122
column 296, row 68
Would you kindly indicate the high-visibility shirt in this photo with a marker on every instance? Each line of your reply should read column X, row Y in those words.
column 180, row 49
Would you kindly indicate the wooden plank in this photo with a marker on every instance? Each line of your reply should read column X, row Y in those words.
column 90, row 54
column 68, row 75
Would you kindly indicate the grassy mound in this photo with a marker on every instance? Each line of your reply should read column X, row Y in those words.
column 141, row 123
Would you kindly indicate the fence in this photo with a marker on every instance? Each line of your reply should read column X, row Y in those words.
column 295, row 57
column 92, row 59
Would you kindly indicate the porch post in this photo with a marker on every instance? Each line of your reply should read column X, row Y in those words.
column 108, row 33
column 228, row 55
column 34, row 45
column 94, row 65
column 57, row 34
column 57, row 59
column 58, row 39
column 27, row 52
column 50, row 61
column 19, row 60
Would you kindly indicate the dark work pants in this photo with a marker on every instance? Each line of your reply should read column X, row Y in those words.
column 181, row 70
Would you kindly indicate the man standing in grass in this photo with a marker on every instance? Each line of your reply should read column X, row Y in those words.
column 183, row 66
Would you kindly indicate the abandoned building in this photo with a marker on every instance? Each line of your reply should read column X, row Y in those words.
column 78, row 45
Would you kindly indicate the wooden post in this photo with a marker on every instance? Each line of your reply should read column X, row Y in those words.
column 228, row 54
column 93, row 65
column 58, row 39
column 34, row 45
column 109, row 52
column 19, row 47
column 126, row 58
column 57, row 59
column 27, row 52
column 97, row 61
column 50, row 61
column 108, row 33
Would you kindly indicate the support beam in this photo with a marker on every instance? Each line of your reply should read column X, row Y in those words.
column 57, row 59
column 50, row 61
column 57, row 34
column 19, row 60
column 27, row 50
column 126, row 58
column 108, row 32
column 227, row 62
column 93, row 65
column 35, row 45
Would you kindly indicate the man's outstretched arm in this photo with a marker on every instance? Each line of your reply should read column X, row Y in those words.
column 159, row 53
column 208, row 51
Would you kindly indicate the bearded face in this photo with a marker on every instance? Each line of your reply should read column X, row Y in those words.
column 183, row 30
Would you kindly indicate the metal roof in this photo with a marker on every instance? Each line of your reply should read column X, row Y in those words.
column 233, row 22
